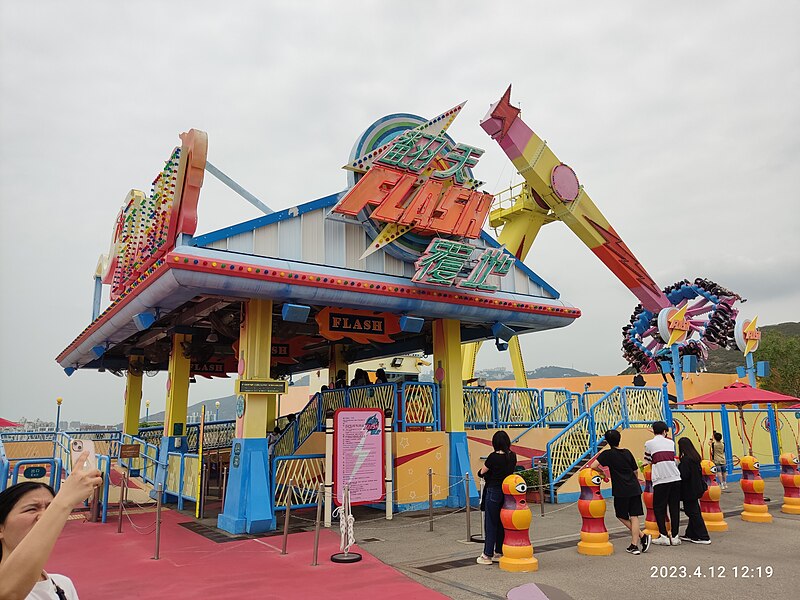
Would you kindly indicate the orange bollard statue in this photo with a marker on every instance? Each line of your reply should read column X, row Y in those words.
column 790, row 478
column 709, row 502
column 755, row 509
column 592, row 506
column 516, row 519
column 650, row 525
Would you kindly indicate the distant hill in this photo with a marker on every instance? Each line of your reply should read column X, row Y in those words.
column 503, row 374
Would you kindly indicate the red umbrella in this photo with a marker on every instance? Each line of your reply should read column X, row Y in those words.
column 7, row 423
column 740, row 394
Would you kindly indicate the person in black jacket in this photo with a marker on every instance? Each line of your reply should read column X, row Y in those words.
column 692, row 488
column 499, row 465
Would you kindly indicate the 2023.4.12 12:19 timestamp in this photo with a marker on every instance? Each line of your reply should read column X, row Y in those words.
column 711, row 572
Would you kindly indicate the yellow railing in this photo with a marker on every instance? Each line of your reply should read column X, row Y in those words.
column 644, row 405
column 190, row 474
column 173, row 473
column 305, row 473
column 478, row 406
column 419, row 406
column 569, row 447
column 373, row 396
column 517, row 406
column 607, row 413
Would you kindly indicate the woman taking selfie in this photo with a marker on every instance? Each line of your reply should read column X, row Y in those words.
column 32, row 516
column 499, row 465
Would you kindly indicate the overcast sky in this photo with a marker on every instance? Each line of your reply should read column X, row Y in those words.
column 681, row 120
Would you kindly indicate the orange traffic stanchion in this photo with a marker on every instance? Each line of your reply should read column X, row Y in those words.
column 755, row 509
column 790, row 479
column 592, row 506
column 709, row 502
column 516, row 519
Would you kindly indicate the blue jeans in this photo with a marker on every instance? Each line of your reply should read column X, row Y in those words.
column 494, row 533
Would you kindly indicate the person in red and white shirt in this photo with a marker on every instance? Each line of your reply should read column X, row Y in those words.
column 660, row 453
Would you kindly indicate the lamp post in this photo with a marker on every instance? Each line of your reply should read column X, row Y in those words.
column 147, row 412
column 59, row 400
column 216, row 415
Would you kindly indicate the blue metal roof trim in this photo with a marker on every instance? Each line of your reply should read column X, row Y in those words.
column 325, row 202
column 522, row 266
column 282, row 215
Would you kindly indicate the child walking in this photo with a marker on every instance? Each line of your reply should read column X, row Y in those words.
column 625, row 488
column 692, row 488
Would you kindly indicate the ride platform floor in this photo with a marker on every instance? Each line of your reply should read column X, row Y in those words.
column 105, row 564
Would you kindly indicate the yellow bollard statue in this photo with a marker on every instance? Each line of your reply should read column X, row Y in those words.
column 592, row 506
column 790, row 479
column 516, row 519
column 755, row 509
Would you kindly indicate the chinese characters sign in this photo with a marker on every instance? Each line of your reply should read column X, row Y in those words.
column 358, row 455
column 444, row 260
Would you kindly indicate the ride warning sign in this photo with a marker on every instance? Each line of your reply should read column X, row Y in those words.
column 358, row 455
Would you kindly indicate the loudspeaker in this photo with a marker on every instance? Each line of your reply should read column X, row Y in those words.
column 295, row 313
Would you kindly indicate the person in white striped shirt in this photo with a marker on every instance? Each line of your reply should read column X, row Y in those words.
column 660, row 453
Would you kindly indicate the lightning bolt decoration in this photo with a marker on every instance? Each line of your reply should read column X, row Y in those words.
column 557, row 191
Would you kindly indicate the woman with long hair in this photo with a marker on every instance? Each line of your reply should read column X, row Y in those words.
column 499, row 465
column 32, row 516
column 692, row 488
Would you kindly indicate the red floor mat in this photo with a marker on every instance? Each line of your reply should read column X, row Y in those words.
column 102, row 563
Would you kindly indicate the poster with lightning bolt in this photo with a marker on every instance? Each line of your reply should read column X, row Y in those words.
column 358, row 455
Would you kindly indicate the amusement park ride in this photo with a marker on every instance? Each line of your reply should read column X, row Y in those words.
column 684, row 319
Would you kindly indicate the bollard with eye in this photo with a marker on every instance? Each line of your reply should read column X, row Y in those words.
column 592, row 506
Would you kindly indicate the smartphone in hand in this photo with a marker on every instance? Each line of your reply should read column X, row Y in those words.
column 77, row 447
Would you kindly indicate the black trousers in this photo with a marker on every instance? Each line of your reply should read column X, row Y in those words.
column 696, row 529
column 668, row 494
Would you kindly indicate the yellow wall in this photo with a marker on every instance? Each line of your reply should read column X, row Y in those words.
column 411, row 474
column 480, row 444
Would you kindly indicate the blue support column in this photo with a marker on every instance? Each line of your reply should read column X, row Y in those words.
column 178, row 444
column 667, row 409
column 677, row 372
column 248, row 502
column 726, row 437
column 459, row 465
column 773, row 434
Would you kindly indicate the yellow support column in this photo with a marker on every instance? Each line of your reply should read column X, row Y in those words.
column 249, row 505
column 133, row 396
column 447, row 356
column 520, row 378
column 255, row 352
column 447, row 370
column 337, row 362
column 177, row 387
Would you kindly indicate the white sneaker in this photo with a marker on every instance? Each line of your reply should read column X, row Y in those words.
column 661, row 540
column 676, row 541
column 484, row 560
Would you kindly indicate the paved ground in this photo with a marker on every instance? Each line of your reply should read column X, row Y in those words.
column 443, row 561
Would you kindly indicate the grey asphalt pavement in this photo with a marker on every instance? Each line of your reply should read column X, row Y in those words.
column 749, row 559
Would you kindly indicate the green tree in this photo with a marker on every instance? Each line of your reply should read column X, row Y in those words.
column 783, row 353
